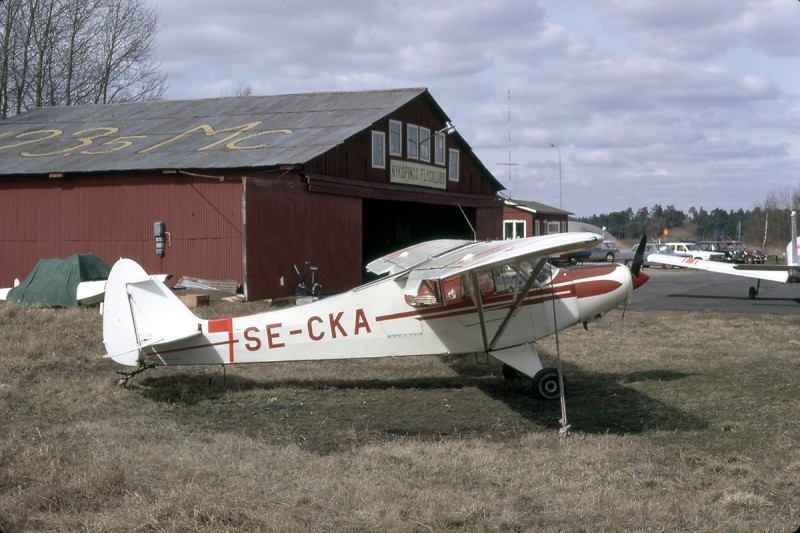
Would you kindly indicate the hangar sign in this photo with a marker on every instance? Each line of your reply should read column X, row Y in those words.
column 418, row 174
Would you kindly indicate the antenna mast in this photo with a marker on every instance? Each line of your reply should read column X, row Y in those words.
column 509, row 164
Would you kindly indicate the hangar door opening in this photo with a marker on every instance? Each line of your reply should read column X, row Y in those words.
column 389, row 225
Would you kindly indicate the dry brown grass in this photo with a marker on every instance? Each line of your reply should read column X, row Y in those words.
column 681, row 422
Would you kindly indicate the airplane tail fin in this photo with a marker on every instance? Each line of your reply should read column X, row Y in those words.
column 139, row 312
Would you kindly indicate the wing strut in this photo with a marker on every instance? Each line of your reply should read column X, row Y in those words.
column 473, row 276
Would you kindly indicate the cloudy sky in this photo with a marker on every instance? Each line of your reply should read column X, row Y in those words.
column 684, row 103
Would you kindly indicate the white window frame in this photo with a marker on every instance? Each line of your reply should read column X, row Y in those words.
column 438, row 149
column 425, row 144
column 412, row 141
column 395, row 138
column 514, row 224
column 378, row 149
column 553, row 225
column 453, row 166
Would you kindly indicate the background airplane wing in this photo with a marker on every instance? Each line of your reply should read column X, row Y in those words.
column 768, row 273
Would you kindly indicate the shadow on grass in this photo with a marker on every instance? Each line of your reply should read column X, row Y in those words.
column 330, row 413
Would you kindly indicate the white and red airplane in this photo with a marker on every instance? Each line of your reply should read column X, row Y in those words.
column 788, row 273
column 438, row 297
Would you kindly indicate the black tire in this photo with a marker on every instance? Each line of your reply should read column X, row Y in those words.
column 546, row 385
column 752, row 293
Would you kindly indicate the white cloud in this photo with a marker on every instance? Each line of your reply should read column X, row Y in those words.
column 679, row 103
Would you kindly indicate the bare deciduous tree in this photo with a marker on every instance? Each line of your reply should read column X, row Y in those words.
column 69, row 52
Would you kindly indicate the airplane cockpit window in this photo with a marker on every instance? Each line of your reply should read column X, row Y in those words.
column 436, row 292
column 544, row 276
column 547, row 274
column 499, row 280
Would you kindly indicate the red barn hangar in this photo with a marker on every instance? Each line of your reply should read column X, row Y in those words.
column 241, row 188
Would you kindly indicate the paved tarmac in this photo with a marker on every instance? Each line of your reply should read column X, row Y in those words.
column 693, row 290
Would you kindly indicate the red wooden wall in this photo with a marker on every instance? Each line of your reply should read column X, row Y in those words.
column 113, row 216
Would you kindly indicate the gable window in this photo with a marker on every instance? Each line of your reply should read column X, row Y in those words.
column 378, row 149
column 412, row 133
column 425, row 144
column 513, row 229
column 452, row 165
column 438, row 149
column 395, row 138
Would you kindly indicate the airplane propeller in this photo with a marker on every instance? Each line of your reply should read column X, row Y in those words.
column 639, row 278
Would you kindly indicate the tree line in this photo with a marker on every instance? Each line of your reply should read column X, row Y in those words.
column 70, row 52
column 767, row 224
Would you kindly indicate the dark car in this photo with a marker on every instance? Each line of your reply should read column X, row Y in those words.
column 751, row 255
column 732, row 255
column 573, row 258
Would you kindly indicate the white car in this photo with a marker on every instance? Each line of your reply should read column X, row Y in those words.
column 692, row 250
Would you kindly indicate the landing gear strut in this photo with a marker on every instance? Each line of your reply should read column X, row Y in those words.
column 754, row 290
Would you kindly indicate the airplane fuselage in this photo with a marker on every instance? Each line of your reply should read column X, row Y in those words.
column 376, row 320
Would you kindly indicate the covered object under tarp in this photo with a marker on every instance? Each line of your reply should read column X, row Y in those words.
column 54, row 282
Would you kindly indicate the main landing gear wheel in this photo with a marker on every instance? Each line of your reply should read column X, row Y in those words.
column 546, row 385
column 752, row 293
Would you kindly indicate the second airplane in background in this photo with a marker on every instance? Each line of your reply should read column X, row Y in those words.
column 788, row 273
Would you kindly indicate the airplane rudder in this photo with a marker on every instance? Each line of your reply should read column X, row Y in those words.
column 119, row 330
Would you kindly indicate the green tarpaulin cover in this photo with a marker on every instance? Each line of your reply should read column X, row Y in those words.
column 54, row 282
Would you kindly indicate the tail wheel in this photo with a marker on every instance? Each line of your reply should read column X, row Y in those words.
column 546, row 384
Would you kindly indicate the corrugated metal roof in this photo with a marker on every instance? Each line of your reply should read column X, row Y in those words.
column 249, row 131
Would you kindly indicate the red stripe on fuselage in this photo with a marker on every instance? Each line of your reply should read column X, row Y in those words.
column 566, row 287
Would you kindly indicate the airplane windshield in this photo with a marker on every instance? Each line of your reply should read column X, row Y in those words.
column 547, row 274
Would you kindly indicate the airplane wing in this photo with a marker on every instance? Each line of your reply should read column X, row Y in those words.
column 413, row 256
column 483, row 255
column 779, row 273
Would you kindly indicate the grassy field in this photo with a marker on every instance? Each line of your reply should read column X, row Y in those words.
column 680, row 422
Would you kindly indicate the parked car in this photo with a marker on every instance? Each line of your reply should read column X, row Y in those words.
column 691, row 249
column 751, row 255
column 653, row 248
column 732, row 255
column 626, row 256
column 607, row 251
column 573, row 258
